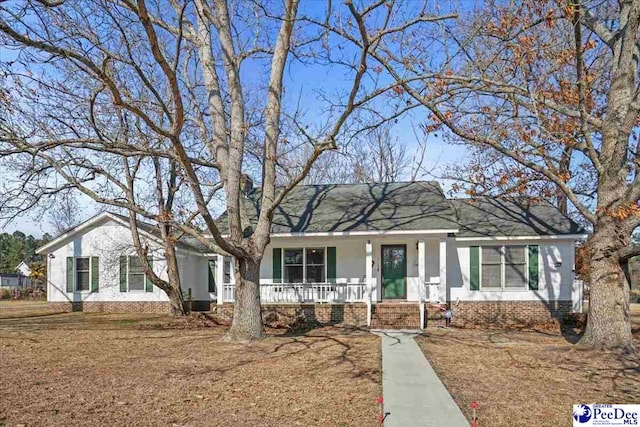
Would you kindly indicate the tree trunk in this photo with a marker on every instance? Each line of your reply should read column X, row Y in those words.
column 247, row 315
column 174, row 291
column 608, row 323
column 175, row 299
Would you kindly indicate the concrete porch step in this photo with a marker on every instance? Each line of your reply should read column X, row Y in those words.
column 405, row 315
column 395, row 315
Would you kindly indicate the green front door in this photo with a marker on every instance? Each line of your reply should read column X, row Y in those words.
column 394, row 271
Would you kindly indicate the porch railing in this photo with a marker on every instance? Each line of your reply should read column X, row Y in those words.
column 304, row 292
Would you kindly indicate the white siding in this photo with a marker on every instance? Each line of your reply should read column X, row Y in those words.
column 108, row 240
column 556, row 276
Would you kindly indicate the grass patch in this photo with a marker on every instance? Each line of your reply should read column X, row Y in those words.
column 141, row 369
column 528, row 378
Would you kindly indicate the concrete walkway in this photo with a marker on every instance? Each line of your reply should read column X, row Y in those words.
column 413, row 393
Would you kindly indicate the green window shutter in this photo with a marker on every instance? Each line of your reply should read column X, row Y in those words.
column 533, row 267
column 148, row 285
column 123, row 274
column 211, row 265
column 474, row 263
column 69, row 274
column 95, row 274
column 331, row 265
column 277, row 265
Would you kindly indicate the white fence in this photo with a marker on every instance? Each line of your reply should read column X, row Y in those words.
column 304, row 292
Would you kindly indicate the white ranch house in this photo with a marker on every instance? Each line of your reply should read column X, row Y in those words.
column 356, row 246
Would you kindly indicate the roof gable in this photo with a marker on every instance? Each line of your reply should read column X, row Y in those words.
column 145, row 229
column 344, row 208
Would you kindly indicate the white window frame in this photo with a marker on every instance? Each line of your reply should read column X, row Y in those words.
column 503, row 287
column 231, row 268
column 75, row 274
column 304, row 262
column 144, row 282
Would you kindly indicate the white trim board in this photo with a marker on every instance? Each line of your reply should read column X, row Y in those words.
column 88, row 224
column 519, row 238
column 363, row 233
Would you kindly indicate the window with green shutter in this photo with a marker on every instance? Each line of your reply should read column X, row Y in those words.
column 83, row 274
column 70, row 280
column 474, row 264
column 148, row 284
column 533, row 267
column 211, row 269
column 132, row 276
column 123, row 274
column 135, row 275
column 277, row 265
column 95, row 274
column 331, row 265
column 504, row 267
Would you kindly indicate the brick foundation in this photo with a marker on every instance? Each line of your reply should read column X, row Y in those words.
column 497, row 312
column 385, row 315
column 113, row 306
column 329, row 314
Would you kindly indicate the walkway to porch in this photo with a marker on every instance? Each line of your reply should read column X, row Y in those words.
column 413, row 393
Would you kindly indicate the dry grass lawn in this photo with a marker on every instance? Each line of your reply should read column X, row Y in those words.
column 528, row 378
column 131, row 369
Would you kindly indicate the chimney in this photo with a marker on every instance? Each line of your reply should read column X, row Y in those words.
column 246, row 184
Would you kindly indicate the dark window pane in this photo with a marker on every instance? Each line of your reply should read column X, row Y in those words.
column 135, row 266
column 491, row 254
column 293, row 274
column 82, row 264
column 136, row 282
column 515, row 276
column 226, row 269
column 82, row 281
column 491, row 276
column 315, row 256
column 514, row 254
column 315, row 274
column 293, row 256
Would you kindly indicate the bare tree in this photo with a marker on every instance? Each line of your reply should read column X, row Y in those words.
column 65, row 213
column 173, row 70
column 379, row 157
column 554, row 88
column 374, row 155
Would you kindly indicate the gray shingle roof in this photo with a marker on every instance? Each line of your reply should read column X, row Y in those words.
column 515, row 217
column 360, row 207
column 185, row 242
column 408, row 206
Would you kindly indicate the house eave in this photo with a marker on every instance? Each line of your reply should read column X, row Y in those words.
column 364, row 233
column 88, row 224
column 516, row 238
column 356, row 233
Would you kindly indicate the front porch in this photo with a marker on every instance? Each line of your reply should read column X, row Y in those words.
column 347, row 274
column 345, row 270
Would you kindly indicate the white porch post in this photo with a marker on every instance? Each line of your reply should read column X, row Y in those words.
column 577, row 287
column 219, row 278
column 422, row 291
column 369, row 278
column 443, row 270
